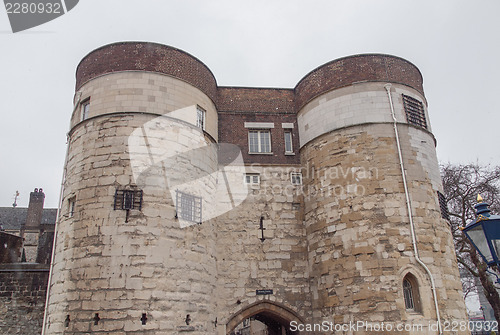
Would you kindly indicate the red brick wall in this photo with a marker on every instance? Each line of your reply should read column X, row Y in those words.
column 232, row 130
column 352, row 69
column 257, row 100
column 142, row 56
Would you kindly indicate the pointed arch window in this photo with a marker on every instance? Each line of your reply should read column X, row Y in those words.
column 411, row 293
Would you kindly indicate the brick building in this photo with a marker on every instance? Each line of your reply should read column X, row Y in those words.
column 26, row 237
column 191, row 207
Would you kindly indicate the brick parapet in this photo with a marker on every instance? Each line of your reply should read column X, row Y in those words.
column 232, row 130
column 256, row 100
column 353, row 69
column 148, row 57
column 153, row 57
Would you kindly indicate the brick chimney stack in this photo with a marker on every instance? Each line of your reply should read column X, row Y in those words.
column 35, row 209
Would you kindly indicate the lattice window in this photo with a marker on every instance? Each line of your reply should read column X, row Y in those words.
column 415, row 113
column 188, row 207
column 411, row 293
column 128, row 199
column 408, row 294
column 443, row 205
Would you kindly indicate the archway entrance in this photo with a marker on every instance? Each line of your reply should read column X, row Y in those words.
column 263, row 318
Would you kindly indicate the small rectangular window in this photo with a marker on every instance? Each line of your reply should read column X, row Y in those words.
column 288, row 142
column 259, row 141
column 200, row 117
column 128, row 199
column 71, row 207
column 85, row 109
column 296, row 178
column 188, row 207
column 443, row 206
column 252, row 178
column 414, row 110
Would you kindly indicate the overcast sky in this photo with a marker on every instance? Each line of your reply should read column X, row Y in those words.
column 267, row 43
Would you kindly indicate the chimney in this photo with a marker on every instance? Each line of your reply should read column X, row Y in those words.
column 35, row 209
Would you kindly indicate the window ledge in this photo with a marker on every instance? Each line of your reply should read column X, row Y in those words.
column 289, row 153
column 260, row 153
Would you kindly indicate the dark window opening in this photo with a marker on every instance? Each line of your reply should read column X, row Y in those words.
column 414, row 110
column 128, row 199
column 443, row 205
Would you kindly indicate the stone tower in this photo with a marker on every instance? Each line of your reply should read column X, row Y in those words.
column 192, row 207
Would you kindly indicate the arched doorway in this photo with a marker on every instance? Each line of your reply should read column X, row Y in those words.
column 275, row 317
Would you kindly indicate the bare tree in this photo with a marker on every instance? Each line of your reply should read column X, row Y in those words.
column 462, row 184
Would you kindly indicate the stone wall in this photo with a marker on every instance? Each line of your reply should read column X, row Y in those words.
column 23, row 289
column 335, row 248
column 144, row 92
column 246, row 263
column 356, row 218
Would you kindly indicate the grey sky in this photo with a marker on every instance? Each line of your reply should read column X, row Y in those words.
column 264, row 43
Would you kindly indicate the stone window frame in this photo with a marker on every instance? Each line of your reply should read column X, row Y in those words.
column 411, row 293
column 201, row 117
column 85, row 108
column 260, row 146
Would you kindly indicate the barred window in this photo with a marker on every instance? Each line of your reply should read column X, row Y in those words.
column 443, row 206
column 188, row 207
column 414, row 110
column 128, row 199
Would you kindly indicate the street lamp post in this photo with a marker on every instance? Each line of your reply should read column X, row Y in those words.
column 484, row 233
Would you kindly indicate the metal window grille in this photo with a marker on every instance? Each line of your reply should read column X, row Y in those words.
column 408, row 294
column 443, row 205
column 128, row 199
column 414, row 110
column 188, row 207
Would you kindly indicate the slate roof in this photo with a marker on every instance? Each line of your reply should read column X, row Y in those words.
column 12, row 218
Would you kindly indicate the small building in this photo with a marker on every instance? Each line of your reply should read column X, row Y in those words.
column 26, row 238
